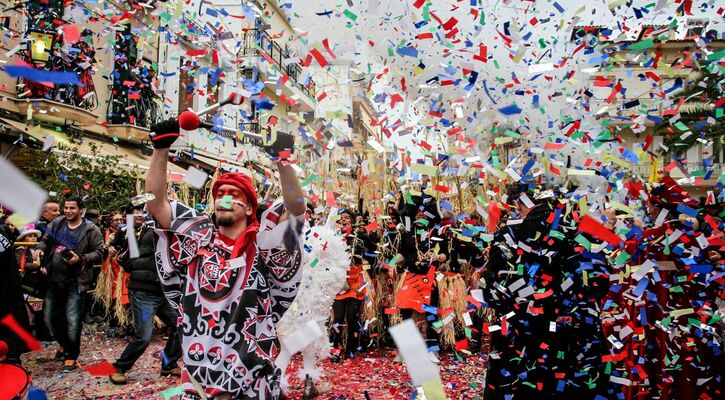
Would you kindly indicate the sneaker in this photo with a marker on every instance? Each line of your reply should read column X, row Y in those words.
column 70, row 365
column 176, row 372
column 118, row 378
column 433, row 357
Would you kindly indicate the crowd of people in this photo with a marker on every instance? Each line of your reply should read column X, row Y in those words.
column 566, row 292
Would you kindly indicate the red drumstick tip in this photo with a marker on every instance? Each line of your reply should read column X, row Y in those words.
column 189, row 121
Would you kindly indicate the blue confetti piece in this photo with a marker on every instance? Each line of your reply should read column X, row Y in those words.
column 683, row 209
column 430, row 309
column 35, row 393
column 641, row 286
column 407, row 51
column 558, row 7
column 512, row 109
column 40, row 75
column 701, row 269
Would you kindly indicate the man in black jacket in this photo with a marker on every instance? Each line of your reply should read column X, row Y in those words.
column 70, row 248
column 147, row 300
column 546, row 341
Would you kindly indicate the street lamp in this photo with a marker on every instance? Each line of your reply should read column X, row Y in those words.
column 41, row 43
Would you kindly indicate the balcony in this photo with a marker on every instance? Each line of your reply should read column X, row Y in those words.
column 250, row 127
column 61, row 104
column 695, row 171
column 256, row 41
column 129, row 117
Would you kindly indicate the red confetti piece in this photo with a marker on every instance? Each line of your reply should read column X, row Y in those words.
column 14, row 326
column 595, row 228
column 102, row 369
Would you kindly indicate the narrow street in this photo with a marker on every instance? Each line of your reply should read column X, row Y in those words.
column 373, row 372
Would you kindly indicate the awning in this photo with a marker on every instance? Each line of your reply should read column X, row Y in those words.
column 130, row 157
column 37, row 131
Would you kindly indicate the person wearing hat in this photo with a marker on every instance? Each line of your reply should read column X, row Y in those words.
column 147, row 299
column 34, row 277
column 232, row 279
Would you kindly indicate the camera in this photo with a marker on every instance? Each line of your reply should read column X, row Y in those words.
column 67, row 254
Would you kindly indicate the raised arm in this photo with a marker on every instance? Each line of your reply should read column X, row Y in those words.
column 159, row 207
column 294, row 198
column 163, row 136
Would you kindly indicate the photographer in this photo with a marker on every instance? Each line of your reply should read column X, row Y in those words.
column 70, row 248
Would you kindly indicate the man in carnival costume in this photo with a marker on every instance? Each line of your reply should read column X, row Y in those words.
column 230, row 280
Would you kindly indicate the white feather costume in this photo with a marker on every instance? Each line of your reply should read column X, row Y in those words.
column 326, row 260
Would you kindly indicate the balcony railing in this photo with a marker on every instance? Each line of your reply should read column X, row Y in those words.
column 256, row 41
column 695, row 169
column 230, row 133
column 142, row 112
column 81, row 96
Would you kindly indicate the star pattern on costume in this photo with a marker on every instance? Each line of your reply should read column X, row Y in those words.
column 259, row 330
column 214, row 276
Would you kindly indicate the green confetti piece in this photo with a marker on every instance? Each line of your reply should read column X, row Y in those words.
column 583, row 242
column 226, row 202
column 622, row 258
column 679, row 125
column 171, row 392
column 314, row 263
column 422, row 221
column 716, row 56
column 512, row 134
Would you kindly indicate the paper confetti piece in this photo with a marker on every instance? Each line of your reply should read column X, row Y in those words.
column 195, row 177
column 413, row 351
column 597, row 229
column 40, row 75
column 14, row 326
column 171, row 392
column 26, row 198
column 512, row 109
column 131, row 237
column 104, row 368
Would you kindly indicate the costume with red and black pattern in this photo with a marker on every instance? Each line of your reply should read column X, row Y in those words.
column 229, row 306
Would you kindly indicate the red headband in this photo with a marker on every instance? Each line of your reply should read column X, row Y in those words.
column 243, row 183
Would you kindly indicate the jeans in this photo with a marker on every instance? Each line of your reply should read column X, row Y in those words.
column 144, row 306
column 64, row 316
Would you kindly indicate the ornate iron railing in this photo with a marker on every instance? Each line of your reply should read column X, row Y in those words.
column 256, row 41
column 143, row 111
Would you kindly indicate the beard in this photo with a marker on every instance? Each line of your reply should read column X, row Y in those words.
column 225, row 219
